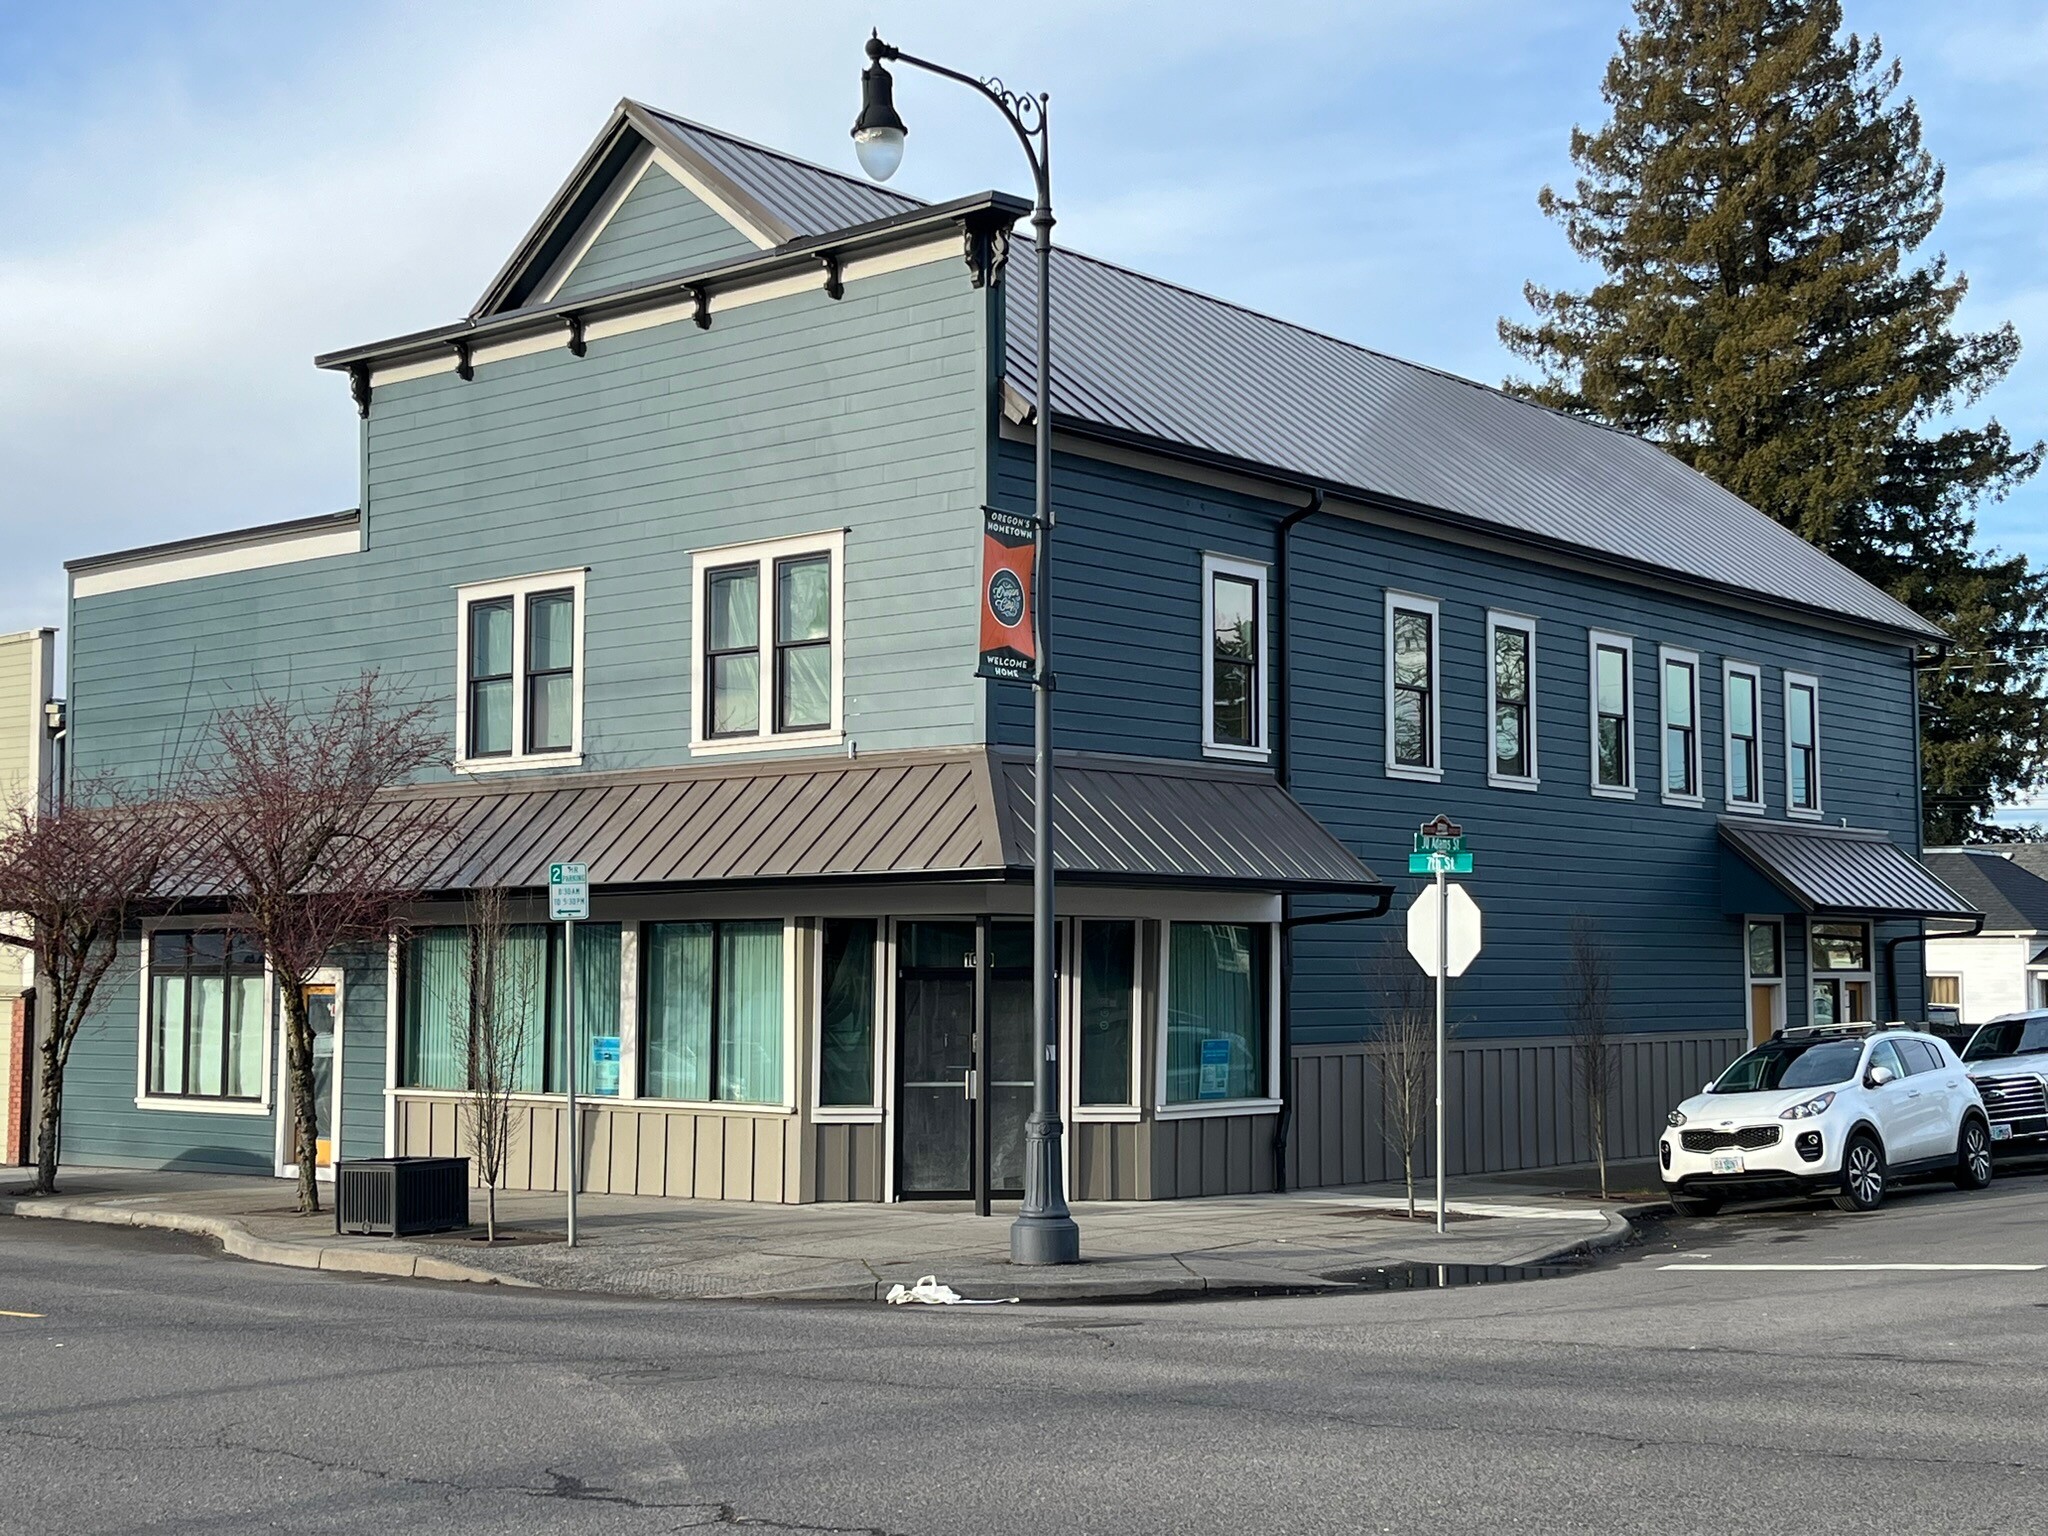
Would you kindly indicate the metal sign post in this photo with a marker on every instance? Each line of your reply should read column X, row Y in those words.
column 1444, row 952
column 568, row 901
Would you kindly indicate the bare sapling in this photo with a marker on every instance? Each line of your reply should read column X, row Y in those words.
column 1407, row 1056
column 494, row 1027
column 75, row 873
column 1589, row 1008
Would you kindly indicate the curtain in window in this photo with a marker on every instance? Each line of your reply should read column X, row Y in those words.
column 436, row 1004
column 597, row 1012
column 675, row 1055
column 1108, row 969
column 167, row 1035
column 244, row 1050
column 750, row 1013
column 1215, row 1030
column 846, row 1052
column 525, row 990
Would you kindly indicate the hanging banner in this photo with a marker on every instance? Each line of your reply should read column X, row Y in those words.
column 1009, row 648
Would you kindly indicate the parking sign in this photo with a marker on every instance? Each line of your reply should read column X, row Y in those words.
column 568, row 892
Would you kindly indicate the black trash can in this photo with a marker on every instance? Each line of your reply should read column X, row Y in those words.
column 400, row 1196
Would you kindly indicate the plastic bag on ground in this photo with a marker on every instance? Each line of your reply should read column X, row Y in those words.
column 932, row 1293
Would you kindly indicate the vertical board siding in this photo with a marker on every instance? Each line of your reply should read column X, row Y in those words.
column 364, row 1026
column 793, row 416
column 659, row 227
column 1515, row 1104
column 1209, row 1155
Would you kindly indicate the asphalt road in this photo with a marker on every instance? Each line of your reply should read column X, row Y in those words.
column 169, row 1389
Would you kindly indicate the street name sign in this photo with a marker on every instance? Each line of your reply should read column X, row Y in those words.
column 568, row 892
column 1440, row 863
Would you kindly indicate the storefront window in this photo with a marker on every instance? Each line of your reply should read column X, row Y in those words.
column 205, row 1016
column 1109, row 969
column 712, row 1018
column 436, row 1025
column 1216, row 1012
column 846, row 1018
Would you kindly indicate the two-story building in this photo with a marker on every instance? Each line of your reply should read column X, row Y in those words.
column 681, row 527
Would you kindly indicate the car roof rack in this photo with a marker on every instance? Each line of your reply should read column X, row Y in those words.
column 1843, row 1031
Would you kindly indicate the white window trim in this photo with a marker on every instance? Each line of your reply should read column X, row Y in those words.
column 1750, row 979
column 519, row 589
column 327, row 976
column 845, row 1114
column 1070, row 1002
column 1961, row 994
column 764, row 555
column 1868, row 975
column 144, row 1099
column 1255, row 573
column 1408, row 602
column 1729, row 671
column 1815, row 811
column 1666, row 654
column 792, row 935
column 1595, row 639
column 1497, row 620
column 1210, row 1108
column 392, row 1003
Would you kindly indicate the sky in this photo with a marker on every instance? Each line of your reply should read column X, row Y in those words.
column 196, row 196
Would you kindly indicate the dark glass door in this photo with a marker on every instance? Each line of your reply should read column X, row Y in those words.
column 936, row 986
column 1009, row 1089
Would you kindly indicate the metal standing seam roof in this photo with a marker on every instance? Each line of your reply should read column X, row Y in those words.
column 810, row 199
column 938, row 815
column 1842, row 871
column 2012, row 897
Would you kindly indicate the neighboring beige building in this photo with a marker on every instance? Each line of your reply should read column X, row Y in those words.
column 27, row 676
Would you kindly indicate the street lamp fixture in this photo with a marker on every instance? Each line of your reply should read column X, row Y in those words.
column 1044, row 1231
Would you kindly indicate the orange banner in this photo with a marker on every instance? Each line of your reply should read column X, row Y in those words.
column 1009, row 642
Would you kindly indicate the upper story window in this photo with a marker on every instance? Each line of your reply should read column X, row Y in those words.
column 1233, row 657
column 206, row 1016
column 1742, row 699
column 1681, row 724
column 1511, row 700
column 1413, row 737
column 1802, row 744
column 1611, row 659
column 769, row 644
column 521, row 699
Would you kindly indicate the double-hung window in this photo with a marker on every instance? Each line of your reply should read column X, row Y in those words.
column 206, row 1016
column 520, row 704
column 769, row 637
column 1802, row 744
column 1679, row 672
column 1413, row 735
column 1611, row 659
column 1742, row 692
column 1511, row 700
column 1233, row 658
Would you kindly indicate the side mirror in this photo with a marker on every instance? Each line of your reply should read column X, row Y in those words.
column 1710, row 1086
column 1878, row 1077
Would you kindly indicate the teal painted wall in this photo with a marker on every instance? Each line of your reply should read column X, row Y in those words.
column 793, row 416
column 364, row 1018
column 661, row 227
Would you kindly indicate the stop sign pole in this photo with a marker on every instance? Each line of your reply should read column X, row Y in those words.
column 1439, row 851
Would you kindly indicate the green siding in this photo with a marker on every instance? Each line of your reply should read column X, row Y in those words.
column 661, row 227
column 793, row 416
column 364, row 992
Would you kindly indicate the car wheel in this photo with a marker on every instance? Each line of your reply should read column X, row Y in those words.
column 1863, row 1174
column 1973, row 1155
column 1695, row 1205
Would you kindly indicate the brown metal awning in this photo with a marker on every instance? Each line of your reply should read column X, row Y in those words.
column 1839, row 871
column 913, row 816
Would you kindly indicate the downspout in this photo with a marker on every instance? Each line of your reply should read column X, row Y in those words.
column 1921, row 936
column 1283, row 765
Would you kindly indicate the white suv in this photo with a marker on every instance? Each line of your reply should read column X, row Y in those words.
column 1837, row 1110
column 2009, row 1059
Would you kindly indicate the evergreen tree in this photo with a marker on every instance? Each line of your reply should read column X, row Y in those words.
column 1754, row 203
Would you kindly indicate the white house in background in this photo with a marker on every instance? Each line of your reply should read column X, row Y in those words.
column 27, row 671
column 2005, row 968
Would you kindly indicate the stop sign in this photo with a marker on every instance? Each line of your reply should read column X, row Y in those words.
column 1463, row 945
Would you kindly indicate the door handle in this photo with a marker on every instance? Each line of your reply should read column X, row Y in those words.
column 967, row 1083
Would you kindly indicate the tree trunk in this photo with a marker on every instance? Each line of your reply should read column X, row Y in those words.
column 1408, row 1173
column 304, row 1122
column 491, row 1212
column 51, row 1111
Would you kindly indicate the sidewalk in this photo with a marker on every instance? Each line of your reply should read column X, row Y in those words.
column 702, row 1249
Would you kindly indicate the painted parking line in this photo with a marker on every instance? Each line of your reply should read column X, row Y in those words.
column 1832, row 1268
column 5, row 1313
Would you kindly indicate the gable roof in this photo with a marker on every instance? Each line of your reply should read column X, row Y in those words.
column 1152, row 362
column 1999, row 883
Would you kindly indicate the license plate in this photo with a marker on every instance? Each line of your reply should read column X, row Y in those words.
column 2001, row 1133
column 1727, row 1162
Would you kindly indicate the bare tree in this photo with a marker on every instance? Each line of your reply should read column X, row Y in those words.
column 1589, row 1006
column 493, row 1028
column 1407, row 1055
column 77, row 871
column 310, row 849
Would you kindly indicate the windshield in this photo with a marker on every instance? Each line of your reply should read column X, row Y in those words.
column 2009, row 1037
column 1792, row 1064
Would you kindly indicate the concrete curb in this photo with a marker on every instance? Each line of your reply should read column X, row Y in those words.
column 237, row 1240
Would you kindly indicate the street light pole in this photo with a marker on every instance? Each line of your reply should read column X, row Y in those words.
column 1044, row 1231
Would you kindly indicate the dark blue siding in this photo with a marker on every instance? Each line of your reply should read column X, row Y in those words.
column 1128, row 606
